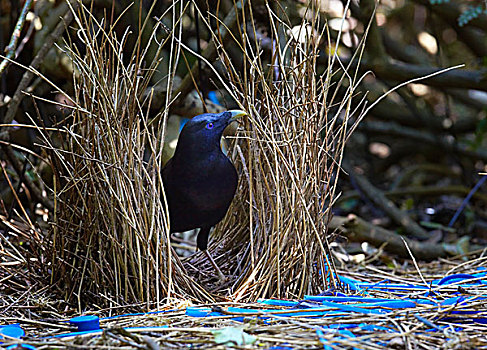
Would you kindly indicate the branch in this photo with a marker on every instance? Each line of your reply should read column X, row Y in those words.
column 389, row 111
column 399, row 71
column 10, row 49
column 19, row 95
column 35, row 64
column 375, row 46
column 210, row 54
column 419, row 191
column 394, row 129
column 378, row 198
column 359, row 230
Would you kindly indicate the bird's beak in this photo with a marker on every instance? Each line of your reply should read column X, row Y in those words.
column 236, row 114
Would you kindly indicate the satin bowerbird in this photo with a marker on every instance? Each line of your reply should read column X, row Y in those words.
column 200, row 180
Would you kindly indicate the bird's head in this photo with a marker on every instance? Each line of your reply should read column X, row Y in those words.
column 203, row 132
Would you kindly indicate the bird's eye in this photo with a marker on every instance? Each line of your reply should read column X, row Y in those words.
column 209, row 126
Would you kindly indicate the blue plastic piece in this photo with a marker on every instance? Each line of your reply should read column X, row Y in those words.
column 341, row 326
column 453, row 300
column 350, row 282
column 12, row 330
column 391, row 304
column 472, row 191
column 368, row 301
column 206, row 312
column 86, row 323
column 265, row 313
column 373, row 327
column 455, row 278
column 212, row 96
column 327, row 344
column 198, row 312
column 323, row 340
column 393, row 287
column 201, row 312
column 21, row 346
column 427, row 322
column 352, row 298
column 351, row 308
column 278, row 302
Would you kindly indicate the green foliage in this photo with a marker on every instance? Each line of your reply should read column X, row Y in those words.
column 408, row 204
column 480, row 132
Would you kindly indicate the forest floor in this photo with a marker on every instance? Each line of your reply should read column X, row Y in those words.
column 379, row 304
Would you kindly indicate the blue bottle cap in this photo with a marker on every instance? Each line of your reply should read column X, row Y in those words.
column 86, row 323
column 12, row 330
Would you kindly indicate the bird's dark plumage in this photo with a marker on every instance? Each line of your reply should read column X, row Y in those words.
column 199, row 180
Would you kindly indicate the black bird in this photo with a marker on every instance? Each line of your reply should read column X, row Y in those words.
column 199, row 180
